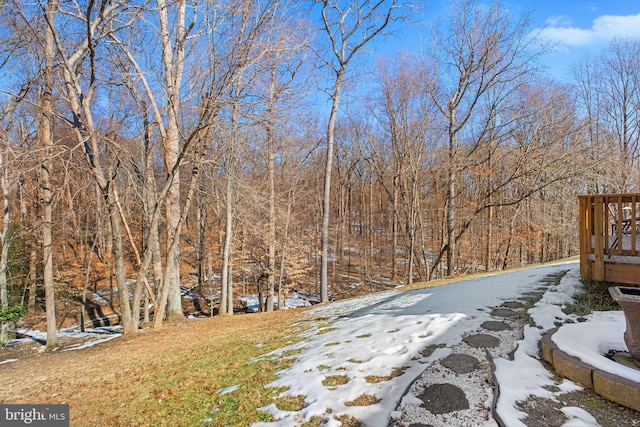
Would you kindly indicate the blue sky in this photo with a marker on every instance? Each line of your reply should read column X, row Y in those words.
column 574, row 27
column 578, row 27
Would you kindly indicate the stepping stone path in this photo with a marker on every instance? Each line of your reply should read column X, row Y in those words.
column 456, row 389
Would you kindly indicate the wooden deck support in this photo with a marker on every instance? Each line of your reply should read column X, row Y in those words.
column 609, row 237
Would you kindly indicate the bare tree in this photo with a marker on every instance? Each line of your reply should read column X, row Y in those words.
column 228, row 35
column 46, row 139
column 173, row 60
column 349, row 26
column 586, row 75
column 282, row 63
column 481, row 49
column 609, row 90
column 230, row 170
column 409, row 121
column 10, row 175
column 80, row 95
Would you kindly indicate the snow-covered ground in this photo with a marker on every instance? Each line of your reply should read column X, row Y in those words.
column 88, row 338
column 376, row 334
column 295, row 300
column 97, row 335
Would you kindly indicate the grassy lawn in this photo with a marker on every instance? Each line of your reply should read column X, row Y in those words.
column 202, row 372
column 221, row 381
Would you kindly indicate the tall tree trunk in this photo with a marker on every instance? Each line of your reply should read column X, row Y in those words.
column 489, row 236
column 413, row 212
column 4, row 250
column 31, row 280
column 451, row 196
column 30, row 248
column 191, row 188
column 394, row 227
column 272, row 199
column 201, row 221
column 226, row 296
column 326, row 197
column 272, row 231
column 348, row 31
column 129, row 323
column 226, row 251
column 151, row 231
column 173, row 61
column 283, row 252
column 45, row 180
column 172, row 204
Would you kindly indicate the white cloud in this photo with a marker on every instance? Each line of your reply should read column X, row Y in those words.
column 560, row 31
column 612, row 26
column 559, row 21
column 591, row 7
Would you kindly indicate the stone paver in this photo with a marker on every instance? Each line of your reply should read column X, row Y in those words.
column 503, row 312
column 537, row 294
column 482, row 341
column 513, row 304
column 444, row 398
column 461, row 363
column 493, row 325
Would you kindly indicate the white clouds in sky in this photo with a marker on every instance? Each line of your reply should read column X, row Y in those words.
column 561, row 31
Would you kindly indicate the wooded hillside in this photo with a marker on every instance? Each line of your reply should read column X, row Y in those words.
column 256, row 147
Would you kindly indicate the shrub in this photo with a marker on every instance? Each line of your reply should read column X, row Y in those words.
column 12, row 313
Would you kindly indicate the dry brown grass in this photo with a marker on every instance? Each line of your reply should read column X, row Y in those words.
column 335, row 380
column 167, row 377
column 395, row 372
column 363, row 400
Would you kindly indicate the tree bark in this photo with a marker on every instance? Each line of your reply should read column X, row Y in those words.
column 45, row 180
column 226, row 251
column 272, row 224
column 326, row 194
column 173, row 62
column 4, row 250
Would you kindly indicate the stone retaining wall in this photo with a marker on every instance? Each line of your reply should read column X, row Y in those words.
column 612, row 387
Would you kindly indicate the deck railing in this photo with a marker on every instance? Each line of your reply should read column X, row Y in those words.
column 609, row 232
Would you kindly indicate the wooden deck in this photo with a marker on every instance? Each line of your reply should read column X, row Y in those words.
column 610, row 237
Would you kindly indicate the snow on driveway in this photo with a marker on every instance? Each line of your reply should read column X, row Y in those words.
column 378, row 334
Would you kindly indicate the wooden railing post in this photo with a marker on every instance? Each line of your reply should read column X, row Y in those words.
column 584, row 207
column 619, row 226
column 634, row 230
column 598, row 231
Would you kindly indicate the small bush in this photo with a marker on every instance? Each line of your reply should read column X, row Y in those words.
column 12, row 313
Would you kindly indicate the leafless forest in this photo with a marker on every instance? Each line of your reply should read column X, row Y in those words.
column 263, row 146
